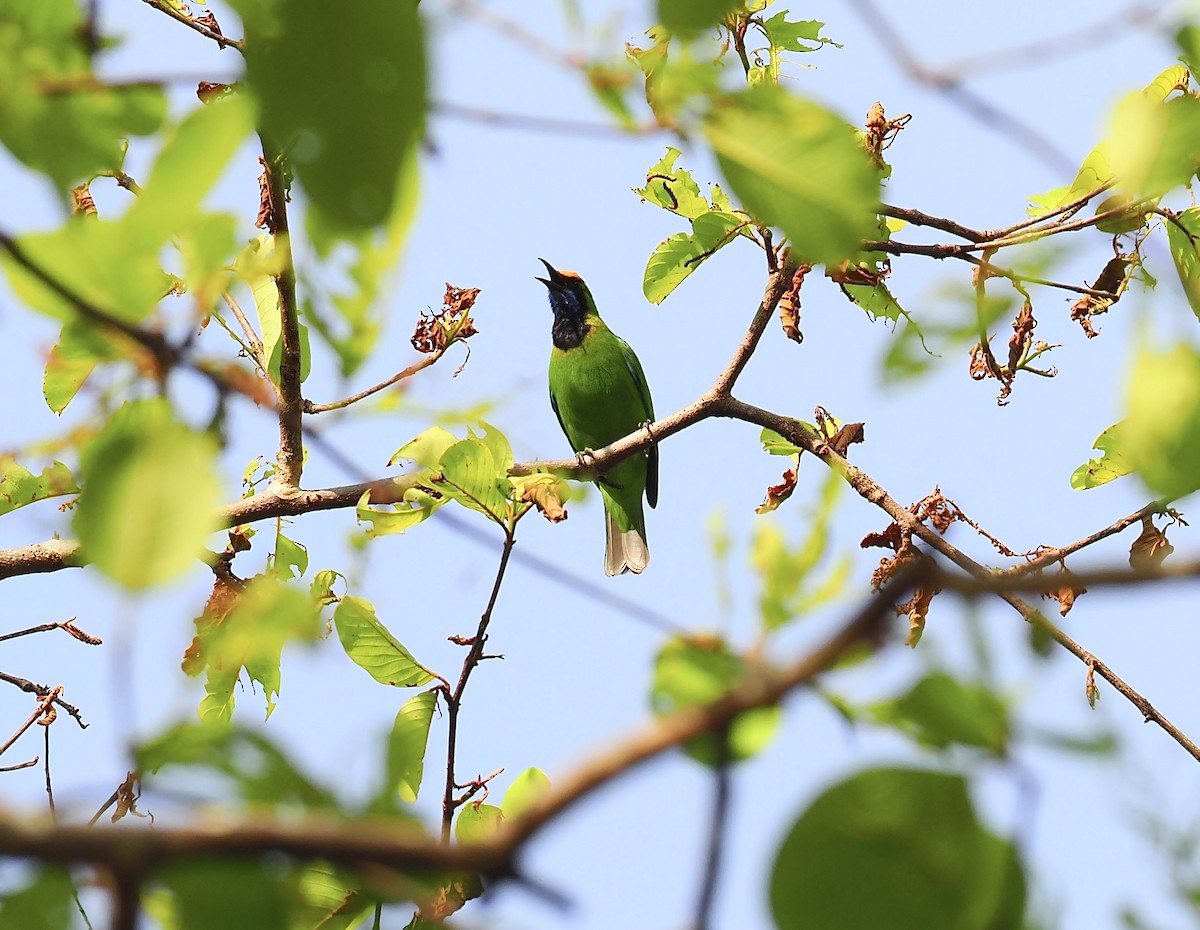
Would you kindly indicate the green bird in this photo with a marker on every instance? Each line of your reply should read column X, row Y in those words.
column 599, row 394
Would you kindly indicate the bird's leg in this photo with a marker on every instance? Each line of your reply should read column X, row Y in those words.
column 586, row 459
column 647, row 426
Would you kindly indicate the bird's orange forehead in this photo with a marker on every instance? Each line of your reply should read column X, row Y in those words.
column 569, row 274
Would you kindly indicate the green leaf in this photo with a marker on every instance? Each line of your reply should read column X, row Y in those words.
column 673, row 188
column 1160, row 435
column 876, row 299
column 691, row 671
column 1153, row 145
column 19, row 486
column 913, row 839
column 1183, row 250
column 497, row 443
column 289, row 555
column 267, row 615
column 330, row 119
column 689, row 18
column 55, row 116
column 1111, row 463
column 190, row 163
column 406, row 747
column 798, row 166
column 46, row 902
column 476, row 823
column 679, row 255
column 80, row 348
column 427, row 449
column 940, row 711
column 776, row 444
column 525, row 792
column 328, row 901
column 417, row 506
column 150, row 495
column 785, row 590
column 252, row 893
column 471, row 475
column 1094, row 172
column 373, row 648
column 259, row 772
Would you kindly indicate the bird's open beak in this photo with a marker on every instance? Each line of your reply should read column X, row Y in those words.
column 556, row 281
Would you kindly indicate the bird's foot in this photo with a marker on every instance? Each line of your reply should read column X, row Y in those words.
column 648, row 426
column 586, row 459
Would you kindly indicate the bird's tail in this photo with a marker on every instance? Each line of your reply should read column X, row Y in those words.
column 624, row 551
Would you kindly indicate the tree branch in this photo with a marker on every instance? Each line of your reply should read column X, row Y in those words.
column 454, row 698
column 193, row 22
column 290, row 462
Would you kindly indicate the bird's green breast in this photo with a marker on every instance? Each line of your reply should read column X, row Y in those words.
column 597, row 397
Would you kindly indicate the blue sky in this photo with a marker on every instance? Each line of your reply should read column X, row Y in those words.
column 576, row 673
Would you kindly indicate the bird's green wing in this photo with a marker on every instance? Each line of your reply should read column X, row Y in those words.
column 562, row 425
column 639, row 377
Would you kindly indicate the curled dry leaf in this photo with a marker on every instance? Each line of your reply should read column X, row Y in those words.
column 233, row 377
column 436, row 331
column 210, row 20
column 1067, row 592
column 546, row 496
column 208, row 91
column 1089, row 685
column 778, row 493
column 789, row 306
column 226, row 593
column 1112, row 281
column 82, row 635
column 1018, row 345
column 81, row 201
column 881, row 131
column 1150, row 548
column 917, row 609
column 850, row 433
column 128, row 793
column 263, row 220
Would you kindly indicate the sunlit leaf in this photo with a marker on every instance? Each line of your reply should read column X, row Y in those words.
column 526, row 790
column 679, row 255
column 150, row 495
column 469, row 474
column 373, row 648
column 798, row 166
column 406, row 746
column 19, row 486
column 55, row 116
column 1160, row 434
column 477, row 823
column 1111, row 463
column 1183, row 234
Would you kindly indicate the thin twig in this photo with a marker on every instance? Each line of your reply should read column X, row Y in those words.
column 41, row 691
column 554, row 125
column 722, row 788
column 1000, row 121
column 397, row 846
column 163, row 6
column 43, row 707
column 20, row 765
column 254, row 343
column 1049, row 556
column 416, row 367
column 49, row 785
column 454, row 698
column 867, row 488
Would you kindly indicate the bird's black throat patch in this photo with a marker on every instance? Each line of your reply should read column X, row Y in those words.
column 568, row 331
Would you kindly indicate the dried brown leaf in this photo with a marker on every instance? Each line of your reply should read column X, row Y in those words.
column 546, row 496
column 1068, row 592
column 81, row 201
column 778, row 493
column 1150, row 548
